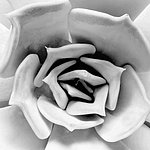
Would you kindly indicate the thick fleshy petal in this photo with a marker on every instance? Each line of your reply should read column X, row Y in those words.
column 24, row 97
column 131, row 111
column 58, row 93
column 116, row 8
column 112, row 74
column 62, row 139
column 116, row 37
column 139, row 140
column 97, row 107
column 68, row 51
column 53, row 113
column 34, row 27
column 15, row 132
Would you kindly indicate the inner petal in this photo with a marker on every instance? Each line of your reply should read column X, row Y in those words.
column 112, row 74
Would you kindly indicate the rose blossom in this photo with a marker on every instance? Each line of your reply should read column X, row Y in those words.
column 80, row 78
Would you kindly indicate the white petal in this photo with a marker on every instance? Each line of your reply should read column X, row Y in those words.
column 16, row 133
column 58, row 93
column 68, row 51
column 75, row 92
column 116, row 37
column 24, row 97
column 61, row 139
column 112, row 74
column 53, row 113
column 6, row 85
column 139, row 140
column 97, row 107
column 131, row 112
column 33, row 27
column 84, row 75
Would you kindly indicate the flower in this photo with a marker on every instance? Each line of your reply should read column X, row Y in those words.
column 33, row 62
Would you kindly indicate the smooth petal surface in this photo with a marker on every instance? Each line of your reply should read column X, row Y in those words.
column 112, row 74
column 24, row 97
column 31, row 31
column 131, row 111
column 139, row 140
column 6, row 86
column 115, row 8
column 16, row 133
column 62, row 139
column 53, row 113
column 68, row 51
column 58, row 93
column 116, row 37
column 97, row 107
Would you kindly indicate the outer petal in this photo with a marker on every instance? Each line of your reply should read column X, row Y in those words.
column 31, row 31
column 116, row 8
column 115, row 37
column 139, row 140
column 15, row 132
column 62, row 139
column 131, row 112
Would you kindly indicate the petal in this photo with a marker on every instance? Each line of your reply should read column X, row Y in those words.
column 73, row 92
column 68, row 51
column 16, row 133
column 24, row 97
column 143, row 23
column 97, row 107
column 53, row 113
column 131, row 112
column 6, row 85
column 31, row 31
column 116, row 37
column 112, row 74
column 139, row 140
column 84, row 75
column 61, row 139
column 58, row 93
column 116, row 8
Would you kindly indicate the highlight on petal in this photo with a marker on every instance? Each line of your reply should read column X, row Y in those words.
column 112, row 74
column 58, row 93
column 24, row 97
column 62, row 139
column 16, row 133
column 54, row 114
column 72, row 91
column 68, row 51
column 131, row 111
column 84, row 75
column 139, row 140
column 143, row 23
column 97, row 107
column 115, row 37
column 6, row 85
column 31, row 31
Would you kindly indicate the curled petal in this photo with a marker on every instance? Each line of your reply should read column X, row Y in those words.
column 116, row 37
column 112, row 74
column 62, row 139
column 58, row 116
column 97, row 107
column 31, row 30
column 84, row 75
column 16, row 133
column 68, row 51
column 24, row 97
column 6, row 85
column 75, row 92
column 58, row 93
column 131, row 112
